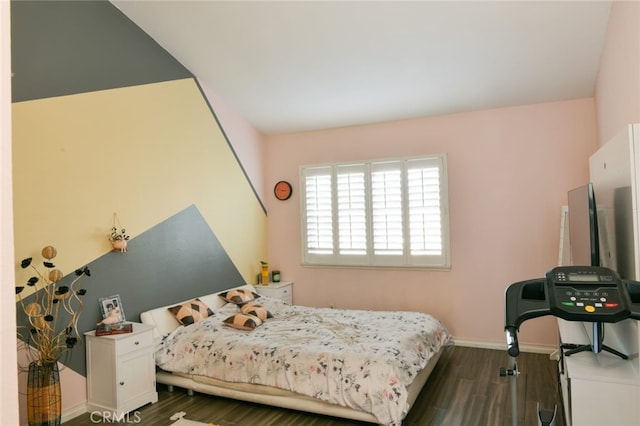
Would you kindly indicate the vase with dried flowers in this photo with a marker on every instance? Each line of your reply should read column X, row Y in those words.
column 49, row 332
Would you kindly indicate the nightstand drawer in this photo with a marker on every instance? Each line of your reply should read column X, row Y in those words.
column 132, row 343
column 282, row 291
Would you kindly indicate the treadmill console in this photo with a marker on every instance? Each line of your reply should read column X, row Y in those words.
column 587, row 293
column 574, row 293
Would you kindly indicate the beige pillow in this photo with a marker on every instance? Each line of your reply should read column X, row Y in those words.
column 191, row 312
column 239, row 296
column 256, row 310
column 243, row 321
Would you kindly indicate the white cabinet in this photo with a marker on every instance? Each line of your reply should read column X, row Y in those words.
column 615, row 172
column 604, row 389
column 281, row 290
column 120, row 371
column 601, row 389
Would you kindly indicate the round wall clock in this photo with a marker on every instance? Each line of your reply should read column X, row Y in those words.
column 282, row 190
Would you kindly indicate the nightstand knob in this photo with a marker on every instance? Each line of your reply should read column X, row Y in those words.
column 137, row 343
column 121, row 383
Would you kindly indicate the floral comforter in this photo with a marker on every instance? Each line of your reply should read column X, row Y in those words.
column 359, row 359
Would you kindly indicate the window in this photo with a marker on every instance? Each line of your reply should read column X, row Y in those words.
column 381, row 213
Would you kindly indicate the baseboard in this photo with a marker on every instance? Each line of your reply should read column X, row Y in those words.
column 73, row 412
column 488, row 344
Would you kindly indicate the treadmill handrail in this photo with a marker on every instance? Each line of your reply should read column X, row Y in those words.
column 520, row 309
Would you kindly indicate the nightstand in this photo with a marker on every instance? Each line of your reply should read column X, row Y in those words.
column 282, row 290
column 121, row 371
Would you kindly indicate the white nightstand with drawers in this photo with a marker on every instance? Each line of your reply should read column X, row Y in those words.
column 282, row 290
column 121, row 371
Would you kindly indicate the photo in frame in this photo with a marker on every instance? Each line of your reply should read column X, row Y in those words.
column 111, row 308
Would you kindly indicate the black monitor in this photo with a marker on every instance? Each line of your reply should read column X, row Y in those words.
column 583, row 227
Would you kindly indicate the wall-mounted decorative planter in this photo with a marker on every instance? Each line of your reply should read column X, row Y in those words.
column 119, row 245
column 118, row 235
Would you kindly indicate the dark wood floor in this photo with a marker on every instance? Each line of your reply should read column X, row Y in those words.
column 465, row 389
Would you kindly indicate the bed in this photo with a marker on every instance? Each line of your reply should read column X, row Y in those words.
column 362, row 365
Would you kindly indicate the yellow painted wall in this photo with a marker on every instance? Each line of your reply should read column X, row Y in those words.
column 145, row 152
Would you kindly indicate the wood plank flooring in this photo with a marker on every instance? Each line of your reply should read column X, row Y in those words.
column 465, row 389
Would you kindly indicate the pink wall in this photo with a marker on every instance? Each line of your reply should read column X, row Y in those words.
column 246, row 141
column 509, row 172
column 618, row 85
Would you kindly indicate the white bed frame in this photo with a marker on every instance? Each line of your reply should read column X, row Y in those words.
column 165, row 322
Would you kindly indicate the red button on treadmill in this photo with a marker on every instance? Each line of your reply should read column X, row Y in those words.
column 610, row 305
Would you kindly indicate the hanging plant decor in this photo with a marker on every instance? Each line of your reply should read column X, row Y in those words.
column 118, row 235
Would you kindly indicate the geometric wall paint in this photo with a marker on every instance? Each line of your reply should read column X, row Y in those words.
column 144, row 152
column 105, row 121
column 67, row 47
column 144, row 278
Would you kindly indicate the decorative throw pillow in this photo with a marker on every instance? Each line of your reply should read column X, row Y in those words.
column 243, row 321
column 239, row 296
column 191, row 312
column 257, row 310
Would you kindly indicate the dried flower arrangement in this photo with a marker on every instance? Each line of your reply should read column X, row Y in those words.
column 118, row 235
column 53, row 314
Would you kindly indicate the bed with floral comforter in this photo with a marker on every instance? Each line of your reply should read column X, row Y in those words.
column 359, row 359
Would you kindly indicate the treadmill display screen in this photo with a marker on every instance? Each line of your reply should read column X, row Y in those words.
column 584, row 277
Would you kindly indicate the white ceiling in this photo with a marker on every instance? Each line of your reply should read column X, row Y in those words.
column 292, row 65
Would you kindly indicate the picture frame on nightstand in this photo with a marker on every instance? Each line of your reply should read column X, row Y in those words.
column 111, row 308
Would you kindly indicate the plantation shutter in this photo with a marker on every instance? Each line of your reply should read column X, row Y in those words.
column 319, row 211
column 352, row 217
column 384, row 213
column 425, row 211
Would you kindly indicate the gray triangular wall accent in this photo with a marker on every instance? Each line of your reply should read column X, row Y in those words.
column 176, row 260
column 67, row 47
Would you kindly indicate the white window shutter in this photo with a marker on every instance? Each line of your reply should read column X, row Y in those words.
column 384, row 213
column 319, row 211
column 426, row 192
column 352, row 211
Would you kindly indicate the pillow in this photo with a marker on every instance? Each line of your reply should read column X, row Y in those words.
column 239, row 296
column 257, row 310
column 243, row 321
column 191, row 312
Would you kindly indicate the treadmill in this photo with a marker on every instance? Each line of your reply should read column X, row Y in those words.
column 574, row 293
